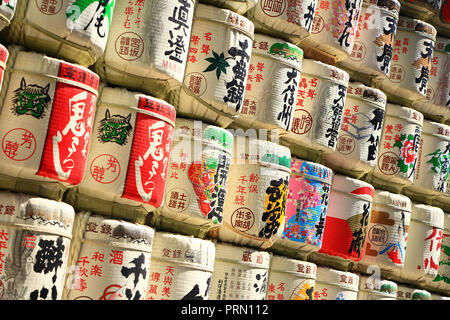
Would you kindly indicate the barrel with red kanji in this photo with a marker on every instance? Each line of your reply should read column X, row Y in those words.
column 318, row 112
column 45, row 124
column 148, row 45
column 4, row 54
column 240, row 273
column 332, row 284
column 272, row 84
column 410, row 292
column 217, row 66
column 375, row 288
column 398, row 150
column 35, row 238
column 289, row 20
column 181, row 268
column 238, row 6
column 76, row 31
column 359, row 136
column 290, row 279
column 128, row 160
column 7, row 10
column 110, row 259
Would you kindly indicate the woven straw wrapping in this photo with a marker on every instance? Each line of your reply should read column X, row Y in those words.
column 372, row 288
column 441, row 20
column 238, row 6
column 35, row 238
column 334, row 284
column 4, row 54
column 405, row 292
column 7, row 9
column 421, row 9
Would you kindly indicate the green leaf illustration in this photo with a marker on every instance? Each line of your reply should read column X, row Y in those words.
column 218, row 63
column 77, row 8
column 403, row 167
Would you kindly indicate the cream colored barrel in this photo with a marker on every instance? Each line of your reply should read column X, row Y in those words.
column 430, row 176
column 398, row 151
column 217, row 66
column 4, row 54
column 198, row 179
column 291, row 279
column 371, row 54
column 35, row 239
column 238, row 6
column 411, row 62
column 148, row 45
column 289, row 20
column 372, row 288
column 240, row 273
column 359, row 136
column 438, row 297
column 405, row 292
column 181, row 268
column 72, row 30
column 443, row 200
column 387, row 233
column 318, row 112
column 110, row 259
column 332, row 284
column 128, row 159
column 436, row 104
column 306, row 209
column 7, row 9
column 45, row 123
column 255, row 206
column 272, row 84
column 421, row 9
column 333, row 31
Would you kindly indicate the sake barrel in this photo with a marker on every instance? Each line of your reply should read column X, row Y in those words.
column 148, row 45
column 45, row 124
column 424, row 243
column 405, row 292
column 240, row 273
column 430, row 176
column 318, row 111
column 4, row 54
column 371, row 53
column 333, row 30
column 421, row 9
column 290, row 20
column 72, row 30
column 306, row 209
column 359, row 136
column 387, row 233
column 443, row 200
column 398, row 151
column 111, row 260
column 272, row 84
column 347, row 221
column 438, row 297
column 35, row 238
column 255, row 206
column 437, row 99
column 238, row 6
column 128, row 160
column 371, row 288
column 411, row 62
column 291, row 279
column 197, row 179
column 441, row 20
column 217, row 66
column 181, row 268
column 7, row 9
column 332, row 284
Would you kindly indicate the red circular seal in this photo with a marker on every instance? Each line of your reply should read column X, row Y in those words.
column 105, row 169
column 242, row 219
column 346, row 144
column 387, row 163
column 273, row 8
column 19, row 144
column 359, row 51
column 396, row 73
column 302, row 121
column 49, row 7
column 430, row 93
column 317, row 25
column 177, row 200
column 196, row 82
column 129, row 46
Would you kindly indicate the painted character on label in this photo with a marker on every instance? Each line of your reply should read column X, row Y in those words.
column 115, row 128
column 31, row 99
column 104, row 9
column 194, row 294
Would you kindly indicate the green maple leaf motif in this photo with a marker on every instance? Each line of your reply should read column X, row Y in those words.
column 218, row 63
column 77, row 8
column 403, row 167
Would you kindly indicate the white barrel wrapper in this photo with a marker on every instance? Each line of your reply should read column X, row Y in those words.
column 332, row 284
column 372, row 288
column 7, row 9
column 4, row 54
column 238, row 6
column 405, row 292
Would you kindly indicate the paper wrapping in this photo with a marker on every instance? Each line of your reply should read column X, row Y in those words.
column 359, row 136
column 73, row 30
column 291, row 279
column 197, row 180
column 318, row 111
column 405, row 292
column 306, row 209
column 238, row 6
column 217, row 66
column 398, row 151
column 35, row 238
column 272, row 84
column 4, row 54
column 443, row 200
column 7, row 9
column 45, row 124
column 332, row 284
column 289, row 20
column 240, row 273
column 372, row 288
column 148, row 45
column 181, row 268
column 255, row 206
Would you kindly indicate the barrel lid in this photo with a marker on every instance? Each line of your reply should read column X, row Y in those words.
column 408, row 292
column 311, row 170
column 184, row 250
column 405, row 113
column 323, row 70
column 433, row 216
column 242, row 255
column 279, row 49
column 369, row 94
column 390, row 199
column 295, row 267
column 442, row 44
column 382, row 287
column 393, row 6
column 436, row 129
column 353, row 187
column 225, row 16
column 415, row 25
column 346, row 280
column 3, row 56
